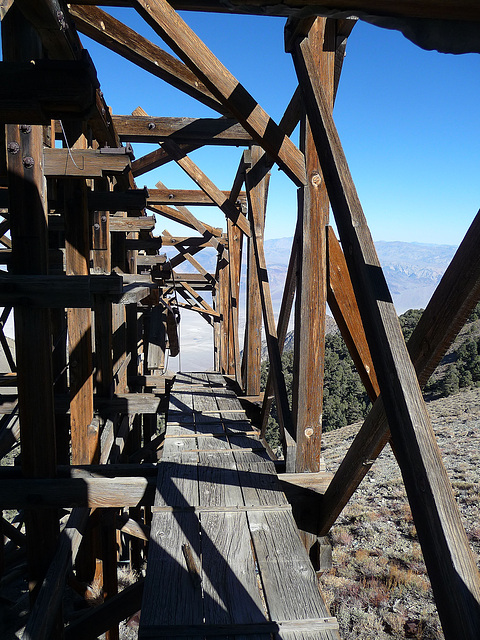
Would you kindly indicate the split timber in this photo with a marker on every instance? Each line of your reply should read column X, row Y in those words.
column 96, row 306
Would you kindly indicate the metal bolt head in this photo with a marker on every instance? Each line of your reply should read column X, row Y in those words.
column 103, row 218
column 25, row 128
column 13, row 147
column 28, row 162
column 96, row 226
column 151, row 125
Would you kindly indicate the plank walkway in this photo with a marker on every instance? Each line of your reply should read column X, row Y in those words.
column 225, row 558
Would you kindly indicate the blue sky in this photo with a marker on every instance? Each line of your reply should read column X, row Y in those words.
column 407, row 118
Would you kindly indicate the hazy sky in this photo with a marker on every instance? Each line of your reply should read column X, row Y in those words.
column 408, row 121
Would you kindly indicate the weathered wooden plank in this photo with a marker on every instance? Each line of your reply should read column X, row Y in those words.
column 178, row 215
column 449, row 558
column 215, row 131
column 176, row 33
column 190, row 197
column 127, row 225
column 76, row 492
column 131, row 200
column 288, row 579
column 83, row 163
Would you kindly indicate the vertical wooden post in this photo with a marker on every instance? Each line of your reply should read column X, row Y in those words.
column 85, row 442
column 235, row 238
column 448, row 556
column 257, row 195
column 311, row 290
column 29, row 233
column 252, row 345
column 223, row 308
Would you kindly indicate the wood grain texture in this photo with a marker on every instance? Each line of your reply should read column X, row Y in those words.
column 446, row 550
column 311, row 290
column 112, row 33
column 176, row 33
column 213, row 131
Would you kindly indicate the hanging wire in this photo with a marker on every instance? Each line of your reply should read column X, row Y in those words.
column 68, row 147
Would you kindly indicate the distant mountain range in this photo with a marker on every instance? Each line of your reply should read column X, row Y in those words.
column 412, row 269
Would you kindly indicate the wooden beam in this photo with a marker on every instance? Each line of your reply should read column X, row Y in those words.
column 184, row 42
column 257, row 194
column 84, row 163
column 198, row 131
column 132, row 223
column 76, row 492
column 452, row 302
column 106, row 30
column 449, row 559
column 37, row 92
column 221, row 200
column 189, row 197
column 29, row 231
column 429, row 9
column 156, row 159
column 131, row 200
column 206, row 231
column 58, row 291
column 311, row 290
column 342, row 303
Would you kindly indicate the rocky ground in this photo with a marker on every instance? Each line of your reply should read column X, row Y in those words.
column 378, row 587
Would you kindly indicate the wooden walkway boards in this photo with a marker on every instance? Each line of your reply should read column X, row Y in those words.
column 225, row 558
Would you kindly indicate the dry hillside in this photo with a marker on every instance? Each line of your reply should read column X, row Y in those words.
column 378, row 587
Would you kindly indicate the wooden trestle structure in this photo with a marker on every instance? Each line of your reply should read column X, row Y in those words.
column 95, row 307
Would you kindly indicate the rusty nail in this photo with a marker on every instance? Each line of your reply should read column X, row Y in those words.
column 28, row 162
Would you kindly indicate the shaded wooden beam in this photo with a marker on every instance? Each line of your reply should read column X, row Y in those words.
column 449, row 559
column 76, row 492
column 342, row 303
column 57, row 291
column 198, row 131
column 447, row 10
column 113, row 34
column 29, row 232
column 184, row 42
column 42, row 618
column 131, row 200
column 37, row 92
